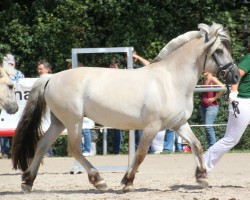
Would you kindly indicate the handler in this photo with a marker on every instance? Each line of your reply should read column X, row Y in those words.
column 236, row 123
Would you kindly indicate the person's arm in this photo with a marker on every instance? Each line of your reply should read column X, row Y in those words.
column 220, row 84
column 141, row 59
column 234, row 90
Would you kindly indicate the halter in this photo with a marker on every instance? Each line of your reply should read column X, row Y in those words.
column 222, row 73
column 223, row 70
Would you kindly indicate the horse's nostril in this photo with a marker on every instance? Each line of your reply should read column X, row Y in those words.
column 237, row 77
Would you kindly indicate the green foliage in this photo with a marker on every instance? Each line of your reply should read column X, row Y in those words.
column 50, row 29
column 60, row 146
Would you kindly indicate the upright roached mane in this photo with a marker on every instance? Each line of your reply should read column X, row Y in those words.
column 216, row 30
column 151, row 98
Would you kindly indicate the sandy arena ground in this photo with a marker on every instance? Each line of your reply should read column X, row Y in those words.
column 168, row 177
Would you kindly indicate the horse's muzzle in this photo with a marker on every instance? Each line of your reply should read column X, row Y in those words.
column 230, row 72
column 11, row 109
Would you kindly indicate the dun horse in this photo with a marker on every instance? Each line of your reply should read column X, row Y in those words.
column 153, row 98
column 7, row 94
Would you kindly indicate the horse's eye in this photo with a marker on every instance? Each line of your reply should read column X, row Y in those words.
column 219, row 51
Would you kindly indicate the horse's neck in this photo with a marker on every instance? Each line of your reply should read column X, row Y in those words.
column 186, row 62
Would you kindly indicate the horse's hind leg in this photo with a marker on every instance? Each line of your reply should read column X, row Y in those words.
column 74, row 139
column 44, row 143
column 201, row 174
column 145, row 142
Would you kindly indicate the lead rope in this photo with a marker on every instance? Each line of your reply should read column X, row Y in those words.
column 235, row 108
column 235, row 104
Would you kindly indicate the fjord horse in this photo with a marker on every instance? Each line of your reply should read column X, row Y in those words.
column 153, row 98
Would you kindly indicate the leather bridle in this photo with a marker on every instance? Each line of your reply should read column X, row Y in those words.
column 222, row 73
column 223, row 69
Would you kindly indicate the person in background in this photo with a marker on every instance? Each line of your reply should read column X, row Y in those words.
column 171, row 143
column 9, row 58
column 68, row 63
column 86, row 133
column 210, row 106
column 116, row 132
column 86, row 142
column 85, row 145
column 156, row 146
column 44, row 67
column 6, row 141
column 138, row 62
column 238, row 116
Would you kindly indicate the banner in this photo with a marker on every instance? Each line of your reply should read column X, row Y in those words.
column 8, row 123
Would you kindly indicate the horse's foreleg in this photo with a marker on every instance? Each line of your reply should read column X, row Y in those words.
column 201, row 173
column 44, row 143
column 145, row 142
column 93, row 174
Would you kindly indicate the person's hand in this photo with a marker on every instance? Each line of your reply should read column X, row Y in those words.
column 211, row 100
column 233, row 96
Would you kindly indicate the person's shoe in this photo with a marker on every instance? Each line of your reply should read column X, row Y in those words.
column 186, row 149
column 157, row 152
column 5, row 156
column 76, row 170
column 86, row 154
column 166, row 152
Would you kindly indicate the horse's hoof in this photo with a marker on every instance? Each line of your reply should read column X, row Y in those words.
column 128, row 188
column 26, row 188
column 203, row 182
column 101, row 185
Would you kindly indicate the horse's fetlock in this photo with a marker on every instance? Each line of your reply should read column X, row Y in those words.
column 200, row 173
column 27, row 179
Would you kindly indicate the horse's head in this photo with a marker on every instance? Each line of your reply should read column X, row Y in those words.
column 7, row 93
column 218, row 58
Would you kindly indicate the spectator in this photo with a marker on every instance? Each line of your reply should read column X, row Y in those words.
column 6, row 141
column 87, row 138
column 116, row 132
column 171, row 142
column 9, row 58
column 87, row 146
column 86, row 133
column 210, row 106
column 44, row 67
column 157, row 143
column 142, row 62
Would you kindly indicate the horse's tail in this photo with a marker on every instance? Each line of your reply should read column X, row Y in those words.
column 29, row 130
